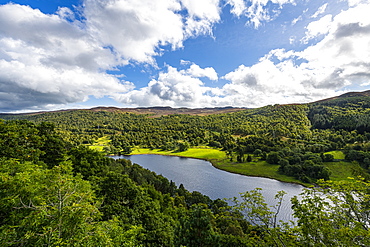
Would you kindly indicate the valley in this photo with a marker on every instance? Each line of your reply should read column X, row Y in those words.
column 58, row 184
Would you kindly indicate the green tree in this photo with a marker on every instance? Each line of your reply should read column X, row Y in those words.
column 327, row 157
column 54, row 149
column 273, row 158
column 249, row 158
column 196, row 229
column 265, row 218
column 51, row 207
column 334, row 214
column 183, row 146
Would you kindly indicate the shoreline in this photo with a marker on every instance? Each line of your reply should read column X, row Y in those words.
column 214, row 162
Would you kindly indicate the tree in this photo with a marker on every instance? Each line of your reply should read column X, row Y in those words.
column 54, row 149
column 334, row 214
column 264, row 217
column 273, row 158
column 249, row 158
column 183, row 146
column 196, row 228
column 327, row 157
column 257, row 152
column 51, row 207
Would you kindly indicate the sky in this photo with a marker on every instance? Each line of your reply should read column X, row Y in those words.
column 68, row 54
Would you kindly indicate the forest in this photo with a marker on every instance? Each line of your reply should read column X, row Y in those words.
column 56, row 190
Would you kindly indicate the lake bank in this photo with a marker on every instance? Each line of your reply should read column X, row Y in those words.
column 200, row 175
column 218, row 159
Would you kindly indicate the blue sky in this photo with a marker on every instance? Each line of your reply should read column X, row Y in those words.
column 180, row 53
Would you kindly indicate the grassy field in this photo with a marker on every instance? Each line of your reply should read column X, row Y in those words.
column 340, row 170
column 198, row 153
column 257, row 169
column 338, row 155
column 100, row 143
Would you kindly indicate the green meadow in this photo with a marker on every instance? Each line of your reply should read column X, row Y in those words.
column 100, row 143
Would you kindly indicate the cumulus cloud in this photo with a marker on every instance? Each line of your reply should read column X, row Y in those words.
column 39, row 86
column 196, row 71
column 135, row 29
column 294, row 21
column 353, row 3
column 48, row 59
column 45, row 59
column 237, row 7
column 320, row 11
column 270, row 83
column 201, row 16
column 326, row 68
column 318, row 27
column 174, row 88
column 56, row 59
column 257, row 11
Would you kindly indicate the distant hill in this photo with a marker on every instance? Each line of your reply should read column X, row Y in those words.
column 166, row 110
column 345, row 96
column 162, row 111
column 154, row 111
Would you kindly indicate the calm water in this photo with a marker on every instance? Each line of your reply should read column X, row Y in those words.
column 199, row 175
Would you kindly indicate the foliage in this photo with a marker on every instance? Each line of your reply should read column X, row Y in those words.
column 54, row 192
column 351, row 113
column 334, row 214
column 50, row 207
column 330, row 214
column 259, row 213
column 318, row 128
column 86, row 199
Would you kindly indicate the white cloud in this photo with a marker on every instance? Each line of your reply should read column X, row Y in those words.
column 345, row 50
column 237, row 7
column 292, row 39
column 201, row 16
column 353, row 3
column 196, row 71
column 45, row 59
column 276, row 82
column 294, row 21
column 50, row 59
column 173, row 88
column 320, row 11
column 135, row 29
column 327, row 68
column 318, row 27
column 324, row 69
column 257, row 11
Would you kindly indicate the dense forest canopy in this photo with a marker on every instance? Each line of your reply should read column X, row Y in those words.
column 56, row 191
column 295, row 137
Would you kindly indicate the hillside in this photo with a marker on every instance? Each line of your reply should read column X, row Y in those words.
column 292, row 138
column 152, row 111
column 56, row 193
column 158, row 111
column 344, row 97
column 50, row 159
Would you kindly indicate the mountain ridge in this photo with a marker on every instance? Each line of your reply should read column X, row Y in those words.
column 157, row 111
column 345, row 95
